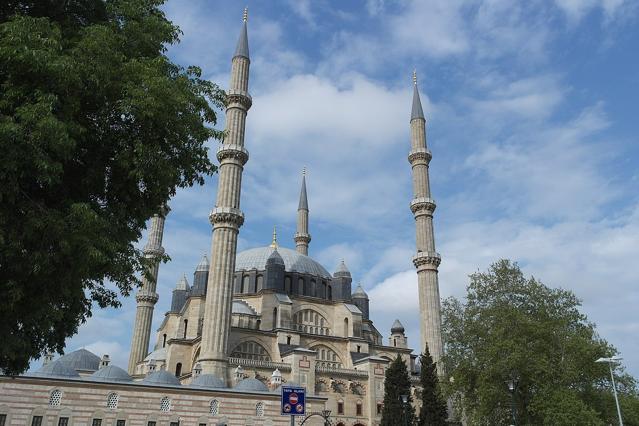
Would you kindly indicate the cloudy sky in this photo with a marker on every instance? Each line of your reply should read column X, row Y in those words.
column 531, row 119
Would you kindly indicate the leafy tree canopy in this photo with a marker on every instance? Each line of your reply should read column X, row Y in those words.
column 511, row 326
column 396, row 384
column 97, row 130
column 433, row 411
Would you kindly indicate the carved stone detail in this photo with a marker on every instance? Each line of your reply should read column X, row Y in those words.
column 229, row 217
column 233, row 151
column 420, row 155
column 147, row 297
column 242, row 98
column 425, row 259
column 301, row 237
column 423, row 205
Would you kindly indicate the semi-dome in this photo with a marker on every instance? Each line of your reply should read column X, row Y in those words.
column 82, row 360
column 161, row 377
column 293, row 261
column 252, row 385
column 56, row 369
column 207, row 381
column 111, row 373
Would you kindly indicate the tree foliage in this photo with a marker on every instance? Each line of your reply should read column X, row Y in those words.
column 433, row 411
column 396, row 384
column 513, row 326
column 97, row 130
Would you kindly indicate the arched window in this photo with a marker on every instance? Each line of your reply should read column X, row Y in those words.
column 288, row 288
column 250, row 350
column 112, row 400
column 313, row 288
column 245, row 284
column 186, row 325
column 55, row 398
column 259, row 283
column 330, row 292
column 214, row 407
column 165, row 404
column 301, row 287
column 324, row 289
column 259, row 409
column 340, row 407
column 164, row 340
column 346, row 330
column 274, row 317
column 178, row 369
column 358, row 408
column 310, row 321
column 326, row 357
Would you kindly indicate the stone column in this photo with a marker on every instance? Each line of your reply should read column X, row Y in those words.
column 226, row 218
column 302, row 237
column 426, row 260
column 146, row 298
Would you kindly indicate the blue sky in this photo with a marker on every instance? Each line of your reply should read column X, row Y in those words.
column 531, row 119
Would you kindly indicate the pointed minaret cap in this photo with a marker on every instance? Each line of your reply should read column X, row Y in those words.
column 183, row 284
column 342, row 270
column 417, row 111
column 204, row 264
column 303, row 205
column 242, row 48
column 397, row 327
column 359, row 293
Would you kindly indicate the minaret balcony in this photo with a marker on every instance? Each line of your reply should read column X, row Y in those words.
column 240, row 97
column 427, row 260
column 226, row 217
column 302, row 237
column 234, row 152
column 419, row 156
column 153, row 251
column 422, row 205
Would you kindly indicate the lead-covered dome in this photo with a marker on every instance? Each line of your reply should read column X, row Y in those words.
column 293, row 261
column 252, row 385
column 111, row 373
column 161, row 377
column 56, row 369
column 82, row 360
column 207, row 381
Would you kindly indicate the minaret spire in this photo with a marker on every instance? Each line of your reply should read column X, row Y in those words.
column 226, row 217
column 146, row 298
column 302, row 237
column 426, row 260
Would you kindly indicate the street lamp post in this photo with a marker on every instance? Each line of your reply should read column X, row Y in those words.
column 404, row 400
column 512, row 386
column 610, row 361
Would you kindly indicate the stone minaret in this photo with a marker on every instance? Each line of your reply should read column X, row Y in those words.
column 147, row 297
column 427, row 259
column 302, row 237
column 226, row 217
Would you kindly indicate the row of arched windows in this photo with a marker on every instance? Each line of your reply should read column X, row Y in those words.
column 358, row 408
column 310, row 321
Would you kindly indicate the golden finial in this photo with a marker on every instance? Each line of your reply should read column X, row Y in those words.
column 245, row 16
column 414, row 76
column 274, row 242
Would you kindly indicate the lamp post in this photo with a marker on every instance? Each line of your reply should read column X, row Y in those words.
column 613, row 360
column 404, row 400
column 512, row 387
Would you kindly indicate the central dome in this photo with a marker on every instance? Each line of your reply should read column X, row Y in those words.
column 293, row 261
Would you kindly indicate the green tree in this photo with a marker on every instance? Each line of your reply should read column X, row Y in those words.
column 433, row 411
column 396, row 384
column 513, row 326
column 97, row 130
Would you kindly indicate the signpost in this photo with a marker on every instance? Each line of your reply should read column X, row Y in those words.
column 293, row 402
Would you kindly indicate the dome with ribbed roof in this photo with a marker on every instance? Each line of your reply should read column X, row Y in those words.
column 56, row 369
column 342, row 270
column 111, row 373
column 207, row 381
column 252, row 385
column 359, row 293
column 82, row 360
column 397, row 327
column 293, row 261
column 161, row 377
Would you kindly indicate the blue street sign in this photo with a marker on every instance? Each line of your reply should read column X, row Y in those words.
column 293, row 401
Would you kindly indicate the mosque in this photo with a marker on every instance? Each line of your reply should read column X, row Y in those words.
column 246, row 324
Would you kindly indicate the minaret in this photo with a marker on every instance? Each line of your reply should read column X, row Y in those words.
column 147, row 297
column 427, row 259
column 226, row 217
column 302, row 237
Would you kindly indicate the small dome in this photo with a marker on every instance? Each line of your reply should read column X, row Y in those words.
column 183, row 284
column 241, row 307
column 359, row 293
column 207, row 381
column 203, row 266
column 293, row 261
column 252, row 385
column 161, row 377
column 111, row 373
column 275, row 258
column 56, row 369
column 397, row 327
column 81, row 360
column 157, row 355
column 342, row 270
